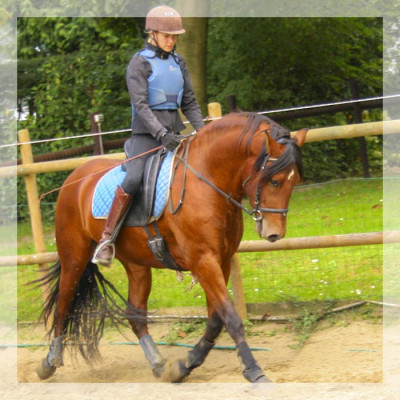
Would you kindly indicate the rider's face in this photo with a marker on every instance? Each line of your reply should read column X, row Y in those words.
column 166, row 41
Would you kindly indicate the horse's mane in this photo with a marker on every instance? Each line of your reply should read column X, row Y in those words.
column 253, row 122
column 291, row 155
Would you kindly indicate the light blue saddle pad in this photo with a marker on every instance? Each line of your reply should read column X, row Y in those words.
column 105, row 189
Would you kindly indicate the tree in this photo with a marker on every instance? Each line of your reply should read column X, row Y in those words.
column 193, row 45
column 69, row 67
column 280, row 62
column 272, row 63
column 193, row 48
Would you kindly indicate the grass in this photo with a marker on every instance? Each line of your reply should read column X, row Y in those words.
column 349, row 206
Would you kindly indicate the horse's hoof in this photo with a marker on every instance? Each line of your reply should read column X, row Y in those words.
column 45, row 370
column 179, row 372
column 255, row 375
column 262, row 379
column 159, row 370
column 175, row 372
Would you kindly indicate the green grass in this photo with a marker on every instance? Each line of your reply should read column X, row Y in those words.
column 342, row 207
column 350, row 206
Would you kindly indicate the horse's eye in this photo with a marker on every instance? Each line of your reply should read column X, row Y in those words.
column 275, row 183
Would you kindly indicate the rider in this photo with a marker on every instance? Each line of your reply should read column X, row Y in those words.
column 159, row 84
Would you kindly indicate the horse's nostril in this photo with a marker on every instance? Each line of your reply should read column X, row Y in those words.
column 273, row 238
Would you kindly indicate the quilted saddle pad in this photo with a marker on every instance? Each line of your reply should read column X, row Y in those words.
column 105, row 189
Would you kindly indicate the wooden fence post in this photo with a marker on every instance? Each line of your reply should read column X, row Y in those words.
column 214, row 110
column 95, row 121
column 232, row 105
column 33, row 199
column 362, row 144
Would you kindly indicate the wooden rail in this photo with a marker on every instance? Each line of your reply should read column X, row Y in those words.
column 352, row 131
column 318, row 242
column 310, row 242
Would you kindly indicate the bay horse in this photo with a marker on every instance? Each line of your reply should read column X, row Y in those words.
column 242, row 154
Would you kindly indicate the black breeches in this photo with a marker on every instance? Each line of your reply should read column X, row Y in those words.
column 134, row 146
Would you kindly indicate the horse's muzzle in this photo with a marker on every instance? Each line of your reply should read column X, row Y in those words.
column 270, row 235
column 273, row 238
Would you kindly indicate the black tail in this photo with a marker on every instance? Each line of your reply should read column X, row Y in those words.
column 95, row 299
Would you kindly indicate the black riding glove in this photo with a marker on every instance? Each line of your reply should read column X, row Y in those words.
column 170, row 140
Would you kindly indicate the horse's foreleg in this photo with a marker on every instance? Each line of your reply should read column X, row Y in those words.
column 139, row 291
column 233, row 323
column 212, row 280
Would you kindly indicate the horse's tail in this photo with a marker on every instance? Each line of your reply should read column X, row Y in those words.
column 95, row 299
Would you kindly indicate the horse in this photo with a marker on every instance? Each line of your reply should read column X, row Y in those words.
column 240, row 155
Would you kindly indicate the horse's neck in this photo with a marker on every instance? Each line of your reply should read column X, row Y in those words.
column 225, row 161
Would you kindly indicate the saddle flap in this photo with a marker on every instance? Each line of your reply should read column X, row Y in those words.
column 150, row 176
column 151, row 199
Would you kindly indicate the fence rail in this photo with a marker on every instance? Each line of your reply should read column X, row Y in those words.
column 310, row 242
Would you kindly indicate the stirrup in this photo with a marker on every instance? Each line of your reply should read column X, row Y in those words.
column 108, row 242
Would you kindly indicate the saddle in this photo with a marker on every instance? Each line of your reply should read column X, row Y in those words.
column 149, row 202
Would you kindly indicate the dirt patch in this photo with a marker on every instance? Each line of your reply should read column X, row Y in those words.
column 339, row 351
column 347, row 355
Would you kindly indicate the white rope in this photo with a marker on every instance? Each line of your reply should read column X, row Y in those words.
column 330, row 104
column 211, row 119
column 65, row 138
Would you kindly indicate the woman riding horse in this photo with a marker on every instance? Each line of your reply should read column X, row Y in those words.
column 159, row 84
column 238, row 155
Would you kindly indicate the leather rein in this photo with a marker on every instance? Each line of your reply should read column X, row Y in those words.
column 255, row 213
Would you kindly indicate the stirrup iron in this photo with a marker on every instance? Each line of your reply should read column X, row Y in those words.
column 108, row 242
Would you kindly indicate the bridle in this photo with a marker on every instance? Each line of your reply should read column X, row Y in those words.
column 255, row 213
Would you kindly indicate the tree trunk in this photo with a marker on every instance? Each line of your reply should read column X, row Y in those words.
column 192, row 45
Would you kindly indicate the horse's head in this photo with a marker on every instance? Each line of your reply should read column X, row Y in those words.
column 278, row 168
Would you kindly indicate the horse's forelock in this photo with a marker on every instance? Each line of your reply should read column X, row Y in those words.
column 290, row 156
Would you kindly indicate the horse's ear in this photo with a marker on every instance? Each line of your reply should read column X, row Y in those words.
column 300, row 137
column 267, row 145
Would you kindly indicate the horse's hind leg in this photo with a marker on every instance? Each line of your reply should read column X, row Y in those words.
column 198, row 354
column 139, row 291
column 72, row 264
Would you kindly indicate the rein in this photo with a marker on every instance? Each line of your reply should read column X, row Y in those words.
column 256, row 212
column 100, row 171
